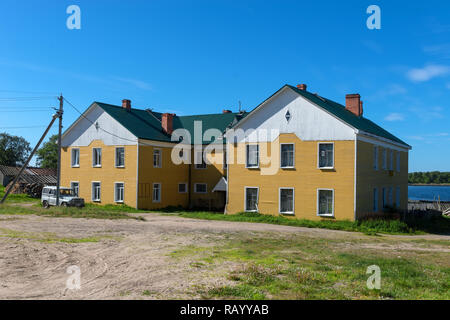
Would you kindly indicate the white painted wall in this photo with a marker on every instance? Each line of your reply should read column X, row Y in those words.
column 308, row 121
column 84, row 132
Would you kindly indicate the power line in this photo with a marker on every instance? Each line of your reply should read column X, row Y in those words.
column 25, row 127
column 27, row 98
column 31, row 110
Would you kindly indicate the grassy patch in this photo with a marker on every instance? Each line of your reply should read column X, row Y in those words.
column 47, row 237
column 371, row 227
column 90, row 211
column 298, row 267
column 16, row 198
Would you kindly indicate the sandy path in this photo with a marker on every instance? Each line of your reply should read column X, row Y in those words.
column 130, row 257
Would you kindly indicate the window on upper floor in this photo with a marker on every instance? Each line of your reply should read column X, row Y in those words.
column 398, row 161
column 287, row 155
column 252, row 156
column 75, row 157
column 120, row 157
column 384, row 159
column 157, row 158
column 326, row 156
column 97, row 157
column 199, row 160
column 375, row 157
column 391, row 159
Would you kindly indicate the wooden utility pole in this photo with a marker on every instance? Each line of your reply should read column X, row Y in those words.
column 58, row 179
column 29, row 158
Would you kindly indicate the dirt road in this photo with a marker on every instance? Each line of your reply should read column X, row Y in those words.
column 130, row 259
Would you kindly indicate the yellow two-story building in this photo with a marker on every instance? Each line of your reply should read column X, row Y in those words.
column 296, row 154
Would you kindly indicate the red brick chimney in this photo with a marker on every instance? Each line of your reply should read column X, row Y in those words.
column 354, row 104
column 226, row 111
column 126, row 104
column 301, row 87
column 167, row 122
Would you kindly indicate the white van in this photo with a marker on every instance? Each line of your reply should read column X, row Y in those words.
column 67, row 197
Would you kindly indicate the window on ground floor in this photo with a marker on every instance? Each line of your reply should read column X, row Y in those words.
column 200, row 188
column 75, row 186
column 156, row 192
column 397, row 197
column 375, row 200
column 287, row 200
column 96, row 191
column 118, row 191
column 251, row 199
column 182, row 187
column 325, row 202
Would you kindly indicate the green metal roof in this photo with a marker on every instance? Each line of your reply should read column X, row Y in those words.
column 348, row 117
column 147, row 124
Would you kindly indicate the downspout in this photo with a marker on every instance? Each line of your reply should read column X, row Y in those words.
column 137, row 175
column 228, row 177
column 355, row 177
column 189, row 187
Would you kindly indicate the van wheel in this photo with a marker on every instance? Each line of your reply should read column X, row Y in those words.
column 64, row 204
column 45, row 204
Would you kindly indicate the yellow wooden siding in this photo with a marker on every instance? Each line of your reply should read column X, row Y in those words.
column 107, row 174
column 306, row 179
column 368, row 178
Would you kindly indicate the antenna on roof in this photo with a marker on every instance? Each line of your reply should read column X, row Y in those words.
column 149, row 111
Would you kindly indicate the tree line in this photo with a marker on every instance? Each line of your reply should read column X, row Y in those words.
column 435, row 177
column 15, row 150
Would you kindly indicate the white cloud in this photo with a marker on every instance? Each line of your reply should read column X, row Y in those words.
column 394, row 117
column 427, row 73
column 134, row 82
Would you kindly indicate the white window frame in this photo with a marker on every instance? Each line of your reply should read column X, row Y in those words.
column 246, row 155
column 391, row 160
column 375, row 158
column 384, row 155
column 115, row 163
column 293, row 156
column 71, row 158
column 195, row 188
column 160, row 158
column 71, row 187
column 94, row 159
column 186, row 187
column 115, row 192
column 293, row 201
column 318, row 205
column 245, row 198
column 160, row 192
column 318, row 156
column 375, row 200
column 398, row 161
column 92, row 191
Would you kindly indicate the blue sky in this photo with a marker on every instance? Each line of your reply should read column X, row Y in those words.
column 193, row 57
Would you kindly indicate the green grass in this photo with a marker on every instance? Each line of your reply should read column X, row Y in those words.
column 16, row 198
column 371, row 227
column 298, row 267
column 90, row 211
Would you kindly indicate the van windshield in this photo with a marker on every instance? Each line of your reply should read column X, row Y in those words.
column 66, row 192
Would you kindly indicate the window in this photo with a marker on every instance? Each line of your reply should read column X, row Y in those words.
column 96, row 191
column 375, row 200
column 398, row 161
column 251, row 199
column 375, row 158
column 97, row 157
column 384, row 159
column 157, row 192
column 225, row 160
column 384, row 195
column 326, row 156
column 252, row 156
column 288, row 116
column 157, row 158
column 120, row 157
column 325, row 202
column 118, row 191
column 287, row 155
column 199, row 161
column 75, row 157
column 397, row 197
column 287, row 200
column 75, row 186
column 182, row 187
column 391, row 160
column 200, row 188
column 390, row 197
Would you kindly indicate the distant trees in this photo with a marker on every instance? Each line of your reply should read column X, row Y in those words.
column 47, row 155
column 429, row 177
column 13, row 150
